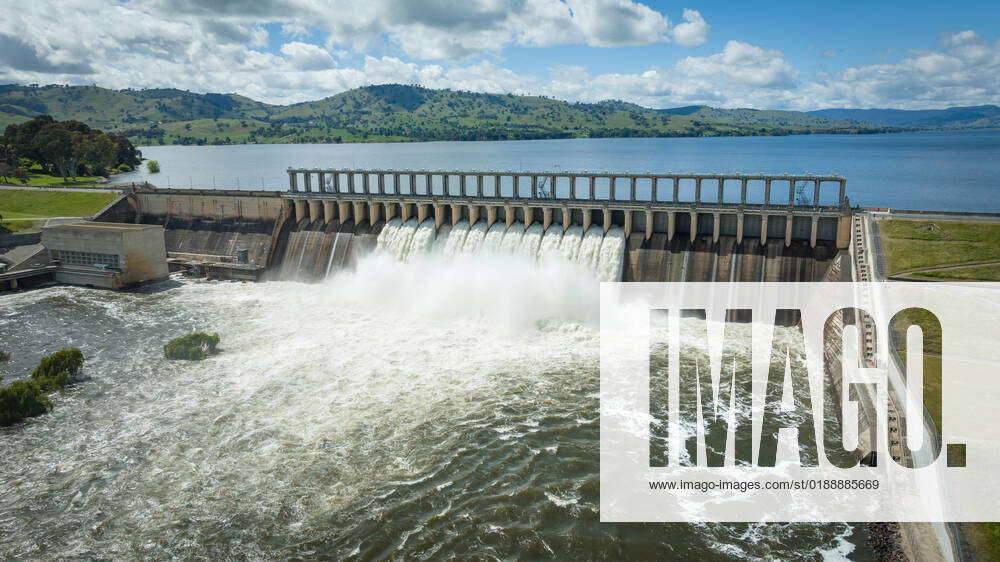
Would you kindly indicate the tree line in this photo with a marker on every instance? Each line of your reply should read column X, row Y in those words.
column 63, row 148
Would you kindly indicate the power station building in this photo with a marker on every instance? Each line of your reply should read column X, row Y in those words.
column 106, row 255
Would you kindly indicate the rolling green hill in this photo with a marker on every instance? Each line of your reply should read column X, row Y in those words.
column 388, row 112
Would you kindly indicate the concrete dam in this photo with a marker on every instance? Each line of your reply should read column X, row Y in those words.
column 630, row 227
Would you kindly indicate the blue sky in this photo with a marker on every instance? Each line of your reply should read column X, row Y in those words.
column 786, row 55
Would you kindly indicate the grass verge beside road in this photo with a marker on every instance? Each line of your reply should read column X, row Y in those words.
column 914, row 248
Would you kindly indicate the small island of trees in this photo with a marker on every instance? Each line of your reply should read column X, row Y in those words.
column 192, row 347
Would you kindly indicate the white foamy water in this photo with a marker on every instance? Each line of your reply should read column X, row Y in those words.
column 549, row 248
column 531, row 241
column 596, row 252
column 399, row 410
column 423, row 239
column 611, row 255
column 456, row 239
column 474, row 240
column 512, row 238
column 569, row 246
column 494, row 237
column 396, row 236
column 590, row 248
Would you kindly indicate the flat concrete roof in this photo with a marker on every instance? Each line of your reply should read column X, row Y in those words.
column 101, row 226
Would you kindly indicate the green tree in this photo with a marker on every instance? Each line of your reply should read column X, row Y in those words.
column 153, row 166
column 56, row 148
column 98, row 153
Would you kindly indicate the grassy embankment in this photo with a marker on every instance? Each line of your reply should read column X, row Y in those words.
column 913, row 249
column 23, row 208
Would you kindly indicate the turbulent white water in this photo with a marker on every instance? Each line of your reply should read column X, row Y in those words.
column 512, row 238
column 531, row 241
column 494, row 236
column 611, row 255
column 423, row 239
column 456, row 239
column 440, row 407
column 596, row 252
column 569, row 245
column 475, row 238
column 590, row 248
column 551, row 239
column 395, row 237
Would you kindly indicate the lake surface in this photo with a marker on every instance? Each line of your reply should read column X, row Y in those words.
column 936, row 171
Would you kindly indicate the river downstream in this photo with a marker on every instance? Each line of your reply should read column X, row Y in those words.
column 343, row 419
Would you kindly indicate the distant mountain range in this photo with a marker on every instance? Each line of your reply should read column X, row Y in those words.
column 975, row 117
column 395, row 112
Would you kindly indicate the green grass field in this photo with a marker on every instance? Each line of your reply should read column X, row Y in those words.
column 29, row 203
column 912, row 245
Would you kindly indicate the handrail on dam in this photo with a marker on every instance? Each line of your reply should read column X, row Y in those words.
column 648, row 202
column 571, row 187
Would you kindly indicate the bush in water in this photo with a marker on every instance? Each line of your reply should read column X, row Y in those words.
column 193, row 347
column 25, row 399
column 57, row 370
column 22, row 399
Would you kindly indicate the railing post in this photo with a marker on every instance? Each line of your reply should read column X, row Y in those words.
column 743, row 191
column 767, row 191
column 816, row 194
column 677, row 189
column 292, row 182
column 697, row 190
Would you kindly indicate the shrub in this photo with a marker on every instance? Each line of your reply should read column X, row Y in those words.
column 153, row 166
column 4, row 356
column 192, row 347
column 22, row 399
column 125, row 168
column 57, row 370
column 25, row 399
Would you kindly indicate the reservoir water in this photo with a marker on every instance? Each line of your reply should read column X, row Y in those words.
column 957, row 171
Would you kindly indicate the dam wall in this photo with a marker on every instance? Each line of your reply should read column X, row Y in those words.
column 232, row 233
column 677, row 227
column 674, row 227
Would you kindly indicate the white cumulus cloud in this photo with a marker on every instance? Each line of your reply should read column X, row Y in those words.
column 693, row 32
column 306, row 56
